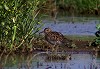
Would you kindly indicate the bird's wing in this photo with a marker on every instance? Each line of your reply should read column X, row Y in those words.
column 57, row 36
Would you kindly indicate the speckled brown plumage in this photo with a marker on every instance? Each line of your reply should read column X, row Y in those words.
column 55, row 38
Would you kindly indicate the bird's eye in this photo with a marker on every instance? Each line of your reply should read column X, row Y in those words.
column 47, row 29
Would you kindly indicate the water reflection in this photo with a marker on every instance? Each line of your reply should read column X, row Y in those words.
column 33, row 61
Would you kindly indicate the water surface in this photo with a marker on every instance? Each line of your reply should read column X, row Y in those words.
column 40, row 61
column 78, row 61
column 69, row 28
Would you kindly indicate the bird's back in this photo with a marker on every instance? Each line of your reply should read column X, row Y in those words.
column 55, row 37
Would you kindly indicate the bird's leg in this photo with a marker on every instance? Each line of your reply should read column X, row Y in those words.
column 57, row 49
column 53, row 48
column 47, row 47
column 47, row 50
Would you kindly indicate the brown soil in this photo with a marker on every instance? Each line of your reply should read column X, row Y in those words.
column 80, row 45
column 41, row 45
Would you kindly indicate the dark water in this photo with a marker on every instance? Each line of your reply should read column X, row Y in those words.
column 39, row 61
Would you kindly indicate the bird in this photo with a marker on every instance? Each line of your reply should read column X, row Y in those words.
column 55, row 38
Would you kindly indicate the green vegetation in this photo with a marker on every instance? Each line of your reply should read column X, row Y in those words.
column 18, row 23
column 81, row 37
column 71, row 7
column 98, row 26
column 97, row 40
column 82, row 6
column 19, row 20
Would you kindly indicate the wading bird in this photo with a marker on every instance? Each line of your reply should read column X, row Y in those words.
column 55, row 38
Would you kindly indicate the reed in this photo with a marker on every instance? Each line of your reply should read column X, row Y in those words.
column 18, row 23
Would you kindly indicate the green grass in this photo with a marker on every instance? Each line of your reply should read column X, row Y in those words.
column 18, row 24
column 71, row 19
column 81, row 37
column 78, row 19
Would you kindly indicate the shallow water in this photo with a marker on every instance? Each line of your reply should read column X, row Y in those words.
column 39, row 61
column 69, row 28
column 32, row 61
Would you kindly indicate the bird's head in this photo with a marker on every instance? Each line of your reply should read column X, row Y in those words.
column 46, row 30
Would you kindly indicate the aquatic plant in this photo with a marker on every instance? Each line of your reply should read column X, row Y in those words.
column 98, row 33
column 98, row 26
column 97, row 39
column 18, row 23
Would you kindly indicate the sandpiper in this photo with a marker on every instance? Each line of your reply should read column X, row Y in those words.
column 55, row 38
